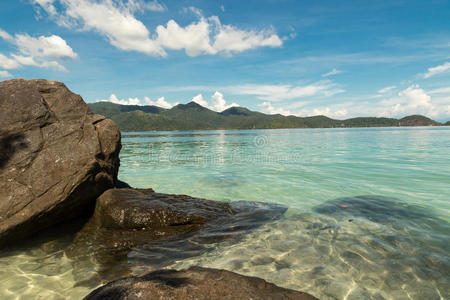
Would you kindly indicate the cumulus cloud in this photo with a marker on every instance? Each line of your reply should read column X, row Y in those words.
column 412, row 100
column 44, row 51
column 268, row 108
column 444, row 68
column 409, row 101
column 160, row 102
column 116, row 21
column 285, row 91
column 113, row 98
column 332, row 72
column 218, row 102
column 5, row 74
column 45, row 46
column 334, row 112
column 199, row 100
column 230, row 39
column 8, row 63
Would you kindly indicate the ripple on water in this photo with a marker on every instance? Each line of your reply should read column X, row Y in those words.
column 347, row 248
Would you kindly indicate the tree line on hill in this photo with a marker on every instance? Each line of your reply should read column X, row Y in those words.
column 193, row 116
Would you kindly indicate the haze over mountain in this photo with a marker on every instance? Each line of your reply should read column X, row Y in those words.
column 192, row 116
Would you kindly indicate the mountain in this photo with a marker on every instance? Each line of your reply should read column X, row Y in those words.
column 192, row 116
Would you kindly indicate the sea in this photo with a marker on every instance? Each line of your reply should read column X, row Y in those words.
column 368, row 210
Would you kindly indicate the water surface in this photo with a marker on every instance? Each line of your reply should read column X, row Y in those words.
column 368, row 213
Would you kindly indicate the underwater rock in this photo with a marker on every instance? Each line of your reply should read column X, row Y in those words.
column 194, row 283
column 56, row 156
column 160, row 228
column 374, row 208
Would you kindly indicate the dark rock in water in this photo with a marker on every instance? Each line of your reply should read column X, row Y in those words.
column 56, row 156
column 375, row 208
column 162, row 227
column 194, row 283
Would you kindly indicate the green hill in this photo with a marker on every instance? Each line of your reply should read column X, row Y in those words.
column 193, row 116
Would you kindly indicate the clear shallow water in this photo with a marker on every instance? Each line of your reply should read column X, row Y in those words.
column 392, row 243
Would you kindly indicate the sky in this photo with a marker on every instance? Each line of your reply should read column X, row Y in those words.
column 341, row 59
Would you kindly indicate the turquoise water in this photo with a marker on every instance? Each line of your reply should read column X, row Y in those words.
column 300, row 168
column 368, row 214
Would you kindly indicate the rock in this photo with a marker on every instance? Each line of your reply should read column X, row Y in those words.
column 163, row 228
column 194, row 283
column 56, row 156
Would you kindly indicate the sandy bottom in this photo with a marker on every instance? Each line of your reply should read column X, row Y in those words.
column 345, row 249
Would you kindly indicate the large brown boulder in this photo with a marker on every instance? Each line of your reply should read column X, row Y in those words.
column 56, row 156
column 194, row 283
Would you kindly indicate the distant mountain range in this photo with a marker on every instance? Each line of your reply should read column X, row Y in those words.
column 193, row 116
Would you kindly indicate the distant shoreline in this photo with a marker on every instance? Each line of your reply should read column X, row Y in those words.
column 192, row 116
column 302, row 128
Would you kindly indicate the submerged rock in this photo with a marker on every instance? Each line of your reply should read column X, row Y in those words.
column 374, row 208
column 56, row 156
column 162, row 228
column 194, row 283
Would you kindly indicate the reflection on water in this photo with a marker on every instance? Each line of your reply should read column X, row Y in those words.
column 391, row 244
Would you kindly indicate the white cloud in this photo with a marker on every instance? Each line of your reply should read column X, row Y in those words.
column 387, row 89
column 194, row 38
column 222, row 8
column 161, row 102
column 285, row 91
column 444, row 90
column 8, row 63
column 412, row 100
column 218, row 102
column 230, row 39
column 44, row 51
column 409, row 101
column 141, row 5
column 268, row 108
column 331, row 112
column 30, row 61
column 5, row 74
column 45, row 46
column 6, row 36
column 199, row 100
column 113, row 98
column 444, row 68
column 47, row 5
column 117, row 22
column 332, row 72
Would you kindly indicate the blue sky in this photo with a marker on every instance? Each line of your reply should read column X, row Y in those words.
column 337, row 58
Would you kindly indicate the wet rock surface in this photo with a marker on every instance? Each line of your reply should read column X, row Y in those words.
column 56, row 156
column 138, row 228
column 194, row 283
